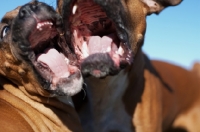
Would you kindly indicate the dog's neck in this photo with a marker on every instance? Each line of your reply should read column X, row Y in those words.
column 49, row 112
column 106, row 98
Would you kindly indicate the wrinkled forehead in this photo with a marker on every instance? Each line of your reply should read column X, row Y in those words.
column 9, row 16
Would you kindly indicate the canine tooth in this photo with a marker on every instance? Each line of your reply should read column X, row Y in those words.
column 74, row 9
column 120, row 51
column 85, row 49
column 67, row 60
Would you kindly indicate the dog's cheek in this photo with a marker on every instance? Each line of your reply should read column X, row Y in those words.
column 137, row 17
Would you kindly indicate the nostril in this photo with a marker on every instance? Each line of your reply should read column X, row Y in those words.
column 25, row 11
column 22, row 13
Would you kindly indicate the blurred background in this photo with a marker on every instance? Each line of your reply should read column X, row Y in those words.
column 172, row 36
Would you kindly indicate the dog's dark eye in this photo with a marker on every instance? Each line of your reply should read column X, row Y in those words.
column 4, row 31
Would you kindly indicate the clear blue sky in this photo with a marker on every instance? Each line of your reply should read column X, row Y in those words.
column 173, row 35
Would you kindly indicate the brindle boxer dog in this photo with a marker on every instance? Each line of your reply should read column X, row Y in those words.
column 143, row 96
column 36, row 75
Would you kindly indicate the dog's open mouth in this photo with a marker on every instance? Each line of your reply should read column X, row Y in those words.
column 96, row 32
column 49, row 57
column 40, row 31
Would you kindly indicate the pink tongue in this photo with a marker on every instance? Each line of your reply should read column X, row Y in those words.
column 97, row 44
column 56, row 62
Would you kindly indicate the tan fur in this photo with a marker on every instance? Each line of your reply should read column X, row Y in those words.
column 24, row 105
column 148, row 96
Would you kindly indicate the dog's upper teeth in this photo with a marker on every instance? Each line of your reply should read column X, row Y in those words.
column 74, row 9
column 40, row 25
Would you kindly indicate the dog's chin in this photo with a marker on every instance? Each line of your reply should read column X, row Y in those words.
column 99, row 37
column 100, row 65
column 67, row 86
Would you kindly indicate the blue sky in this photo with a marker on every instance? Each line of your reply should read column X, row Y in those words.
column 173, row 35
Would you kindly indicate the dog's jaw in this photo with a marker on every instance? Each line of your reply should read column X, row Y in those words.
column 108, row 112
column 99, row 38
column 34, row 44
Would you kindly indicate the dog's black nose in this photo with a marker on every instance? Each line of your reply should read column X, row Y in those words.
column 27, row 10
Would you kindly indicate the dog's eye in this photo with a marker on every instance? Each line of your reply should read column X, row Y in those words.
column 4, row 31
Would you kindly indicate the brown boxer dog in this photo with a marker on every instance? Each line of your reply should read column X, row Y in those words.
column 143, row 96
column 36, row 75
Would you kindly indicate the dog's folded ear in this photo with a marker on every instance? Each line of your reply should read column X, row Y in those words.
column 156, row 6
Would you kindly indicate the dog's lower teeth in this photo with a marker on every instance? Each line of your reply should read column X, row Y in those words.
column 108, row 49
